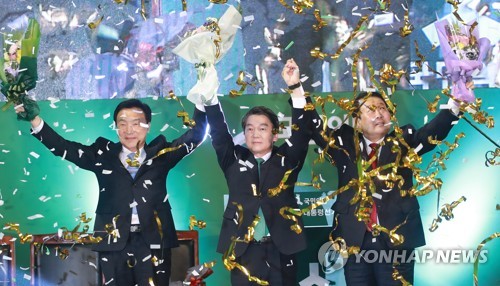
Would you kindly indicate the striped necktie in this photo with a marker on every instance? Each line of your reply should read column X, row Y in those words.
column 132, row 168
column 373, row 214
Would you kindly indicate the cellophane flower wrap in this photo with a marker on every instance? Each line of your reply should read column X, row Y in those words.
column 18, row 67
column 463, row 53
column 204, row 48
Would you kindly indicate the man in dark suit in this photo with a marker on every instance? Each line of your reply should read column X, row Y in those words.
column 371, row 137
column 133, row 216
column 270, row 254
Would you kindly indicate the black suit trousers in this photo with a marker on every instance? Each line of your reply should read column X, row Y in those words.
column 372, row 269
column 264, row 261
column 134, row 265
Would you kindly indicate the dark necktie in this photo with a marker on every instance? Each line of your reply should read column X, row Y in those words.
column 261, row 228
column 373, row 214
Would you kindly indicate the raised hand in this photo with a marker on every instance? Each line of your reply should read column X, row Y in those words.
column 290, row 73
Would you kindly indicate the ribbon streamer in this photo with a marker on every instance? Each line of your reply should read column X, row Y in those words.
column 240, row 80
column 182, row 113
column 193, row 222
column 229, row 257
column 321, row 23
column 476, row 256
column 25, row 238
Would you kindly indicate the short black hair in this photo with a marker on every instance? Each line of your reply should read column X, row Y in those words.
column 362, row 97
column 261, row 110
column 133, row 103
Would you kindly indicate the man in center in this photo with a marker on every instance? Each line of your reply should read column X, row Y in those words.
column 251, row 171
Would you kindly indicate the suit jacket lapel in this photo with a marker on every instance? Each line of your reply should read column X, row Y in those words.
column 386, row 156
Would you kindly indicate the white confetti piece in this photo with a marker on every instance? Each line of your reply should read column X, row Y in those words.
column 107, row 172
column 248, row 18
column 36, row 216
column 106, row 116
column 35, row 155
column 165, row 127
column 206, row 200
column 316, row 84
column 229, row 76
column 279, row 32
column 419, row 147
column 190, row 176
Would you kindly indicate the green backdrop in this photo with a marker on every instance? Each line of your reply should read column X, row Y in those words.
column 33, row 181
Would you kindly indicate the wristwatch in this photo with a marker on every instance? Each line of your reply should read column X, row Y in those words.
column 294, row 86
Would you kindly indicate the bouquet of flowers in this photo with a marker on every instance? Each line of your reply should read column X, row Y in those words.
column 463, row 53
column 18, row 69
column 205, row 47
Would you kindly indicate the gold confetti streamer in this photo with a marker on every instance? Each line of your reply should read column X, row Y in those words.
column 240, row 80
column 111, row 229
column 158, row 224
column 420, row 63
column 397, row 276
column 476, row 256
column 491, row 158
column 396, row 239
column 341, row 247
column 384, row 5
column 432, row 106
column 210, row 264
column 273, row 192
column 135, row 161
column 193, row 222
column 321, row 23
column 229, row 257
column 354, row 69
column 407, row 29
column 455, row 4
column 143, row 9
column 298, row 5
column 390, row 76
column 446, row 212
column 447, row 209
column 218, row 1
column 95, row 24
column 182, row 113
column 352, row 36
column 317, row 53
column 24, row 238
column 184, row 5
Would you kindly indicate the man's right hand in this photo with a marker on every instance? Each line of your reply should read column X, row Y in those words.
column 290, row 73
